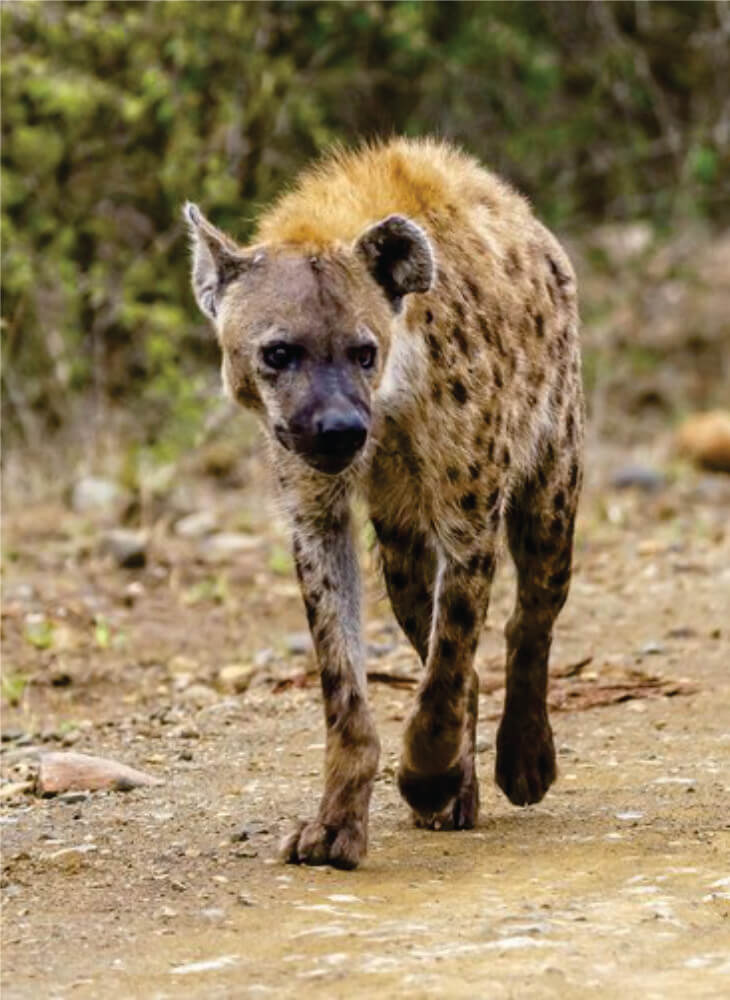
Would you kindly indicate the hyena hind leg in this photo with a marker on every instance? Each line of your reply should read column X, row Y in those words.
column 540, row 524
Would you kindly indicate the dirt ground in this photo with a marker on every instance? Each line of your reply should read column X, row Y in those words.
column 618, row 883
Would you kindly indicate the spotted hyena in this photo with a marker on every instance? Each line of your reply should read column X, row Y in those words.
column 405, row 327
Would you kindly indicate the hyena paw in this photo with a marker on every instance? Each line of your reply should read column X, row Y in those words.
column 461, row 810
column 318, row 843
column 428, row 794
column 525, row 766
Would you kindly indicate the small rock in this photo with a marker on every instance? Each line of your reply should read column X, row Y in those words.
column 704, row 438
column 15, row 788
column 129, row 548
column 95, row 494
column 236, row 677
column 24, row 592
column 623, row 242
column 72, row 798
column 298, row 643
column 182, row 665
column 652, row 649
column 263, row 657
column 199, row 695
column 226, row 545
column 638, row 476
column 64, row 772
column 252, row 829
column 132, row 592
column 196, row 525
column 681, row 632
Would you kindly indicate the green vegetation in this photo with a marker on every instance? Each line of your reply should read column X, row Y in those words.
column 114, row 113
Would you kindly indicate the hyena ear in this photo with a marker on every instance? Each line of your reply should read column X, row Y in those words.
column 399, row 256
column 216, row 260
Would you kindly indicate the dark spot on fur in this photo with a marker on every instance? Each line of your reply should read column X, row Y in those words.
column 311, row 611
column 418, row 546
column 573, row 475
column 485, row 329
column 330, row 682
column 458, row 307
column 512, row 264
column 436, row 392
column 540, row 325
column 487, row 417
column 429, row 316
column 446, row 650
column 474, row 470
column 460, row 338
column 487, row 563
column 559, row 500
column 453, row 473
column 490, row 450
column 468, row 502
column 473, row 290
column 458, row 391
column 561, row 278
column 434, row 347
column 497, row 376
column 560, row 578
column 326, row 582
column 459, row 612
column 506, row 457
column 570, row 428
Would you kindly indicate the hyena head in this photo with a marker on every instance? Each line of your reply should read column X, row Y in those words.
column 305, row 336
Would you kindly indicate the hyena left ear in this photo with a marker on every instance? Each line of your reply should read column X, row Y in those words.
column 399, row 256
column 216, row 260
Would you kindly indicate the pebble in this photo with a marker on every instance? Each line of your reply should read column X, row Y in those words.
column 252, row 829
column 65, row 772
column 641, row 477
column 94, row 494
column 199, row 695
column 236, row 677
column 298, row 643
column 226, row 545
column 652, row 649
column 196, row 525
column 129, row 548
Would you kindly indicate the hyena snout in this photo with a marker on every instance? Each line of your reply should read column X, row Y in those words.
column 331, row 438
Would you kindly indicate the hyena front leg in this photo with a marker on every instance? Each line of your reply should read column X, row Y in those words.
column 437, row 775
column 329, row 576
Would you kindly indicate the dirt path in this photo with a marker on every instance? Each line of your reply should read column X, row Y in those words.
column 618, row 884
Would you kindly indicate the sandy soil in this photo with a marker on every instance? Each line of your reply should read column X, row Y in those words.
column 617, row 885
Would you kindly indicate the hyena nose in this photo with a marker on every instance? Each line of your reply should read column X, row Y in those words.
column 340, row 434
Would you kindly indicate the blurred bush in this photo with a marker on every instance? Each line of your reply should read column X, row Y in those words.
column 114, row 113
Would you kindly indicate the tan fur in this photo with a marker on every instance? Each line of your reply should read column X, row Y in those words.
column 477, row 416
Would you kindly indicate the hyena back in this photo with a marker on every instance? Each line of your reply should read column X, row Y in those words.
column 404, row 326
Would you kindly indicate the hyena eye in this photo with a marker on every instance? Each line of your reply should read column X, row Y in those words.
column 281, row 356
column 364, row 356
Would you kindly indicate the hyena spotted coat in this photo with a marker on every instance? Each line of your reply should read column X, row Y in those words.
column 405, row 327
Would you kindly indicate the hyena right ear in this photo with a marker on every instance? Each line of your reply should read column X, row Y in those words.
column 216, row 260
